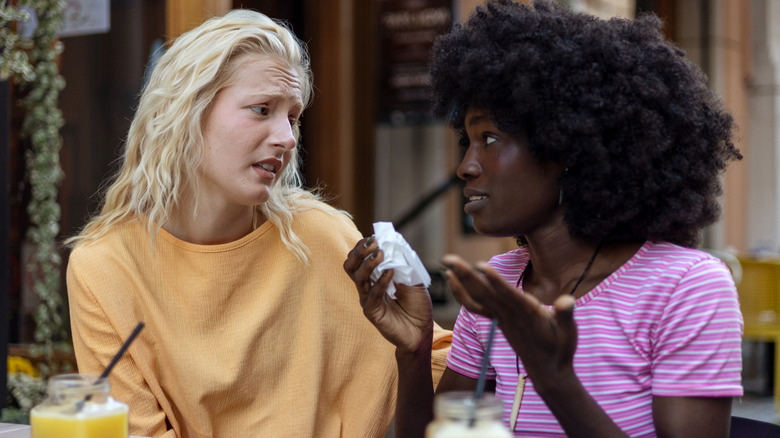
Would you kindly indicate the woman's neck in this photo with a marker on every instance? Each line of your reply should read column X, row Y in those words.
column 556, row 266
column 208, row 225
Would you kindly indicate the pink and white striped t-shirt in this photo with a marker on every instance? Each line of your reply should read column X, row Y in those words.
column 666, row 323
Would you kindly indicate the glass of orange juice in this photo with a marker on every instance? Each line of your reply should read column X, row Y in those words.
column 79, row 406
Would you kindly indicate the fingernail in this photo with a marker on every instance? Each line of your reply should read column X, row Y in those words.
column 373, row 254
column 368, row 242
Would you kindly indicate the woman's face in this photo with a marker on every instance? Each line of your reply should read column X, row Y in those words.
column 510, row 192
column 248, row 133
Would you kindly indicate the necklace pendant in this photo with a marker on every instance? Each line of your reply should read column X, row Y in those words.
column 518, row 399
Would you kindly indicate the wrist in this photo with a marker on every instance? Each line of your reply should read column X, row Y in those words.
column 555, row 384
column 422, row 352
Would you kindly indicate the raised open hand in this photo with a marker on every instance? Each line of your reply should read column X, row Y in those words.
column 407, row 321
column 545, row 338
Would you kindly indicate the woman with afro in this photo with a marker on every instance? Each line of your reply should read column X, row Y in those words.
column 600, row 147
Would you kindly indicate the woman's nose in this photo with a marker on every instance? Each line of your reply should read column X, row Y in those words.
column 468, row 167
column 283, row 135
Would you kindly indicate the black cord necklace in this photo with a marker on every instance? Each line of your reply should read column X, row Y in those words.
column 521, row 377
column 579, row 280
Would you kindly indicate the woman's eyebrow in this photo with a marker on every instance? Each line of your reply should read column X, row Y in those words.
column 475, row 119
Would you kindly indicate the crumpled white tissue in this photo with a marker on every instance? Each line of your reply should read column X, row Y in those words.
column 400, row 257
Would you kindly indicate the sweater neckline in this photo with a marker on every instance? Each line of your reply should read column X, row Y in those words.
column 220, row 247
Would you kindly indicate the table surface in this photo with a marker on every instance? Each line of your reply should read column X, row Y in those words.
column 20, row 431
column 14, row 431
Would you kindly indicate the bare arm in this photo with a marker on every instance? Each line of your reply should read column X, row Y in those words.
column 454, row 381
column 407, row 323
column 414, row 409
column 694, row 417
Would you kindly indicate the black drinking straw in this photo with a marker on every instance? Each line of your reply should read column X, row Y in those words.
column 482, row 372
column 122, row 350
column 117, row 356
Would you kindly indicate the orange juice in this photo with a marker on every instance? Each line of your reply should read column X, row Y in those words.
column 49, row 423
column 79, row 406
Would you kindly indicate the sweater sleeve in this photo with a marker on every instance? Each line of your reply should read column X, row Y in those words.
column 442, row 342
column 96, row 340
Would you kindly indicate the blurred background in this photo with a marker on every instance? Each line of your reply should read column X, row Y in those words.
column 368, row 139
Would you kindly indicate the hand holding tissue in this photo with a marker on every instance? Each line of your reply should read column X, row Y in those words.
column 400, row 257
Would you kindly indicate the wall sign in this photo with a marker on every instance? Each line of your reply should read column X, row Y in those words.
column 86, row 17
column 408, row 29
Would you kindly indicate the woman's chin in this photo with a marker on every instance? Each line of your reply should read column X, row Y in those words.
column 492, row 231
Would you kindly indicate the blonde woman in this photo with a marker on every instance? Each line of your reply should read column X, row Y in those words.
column 207, row 237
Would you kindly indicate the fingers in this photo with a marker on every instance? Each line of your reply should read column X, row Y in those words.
column 481, row 289
column 375, row 294
column 505, row 295
column 361, row 261
column 480, row 282
column 355, row 258
column 564, row 304
column 564, row 316
column 467, row 285
column 461, row 294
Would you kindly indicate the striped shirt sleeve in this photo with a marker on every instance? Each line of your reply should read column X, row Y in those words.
column 696, row 344
column 468, row 347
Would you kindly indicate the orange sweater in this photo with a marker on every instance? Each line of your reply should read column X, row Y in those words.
column 241, row 339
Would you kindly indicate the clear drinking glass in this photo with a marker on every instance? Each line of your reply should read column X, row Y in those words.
column 79, row 406
column 458, row 415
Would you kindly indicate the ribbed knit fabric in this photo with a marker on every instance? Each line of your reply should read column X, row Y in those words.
column 666, row 323
column 241, row 340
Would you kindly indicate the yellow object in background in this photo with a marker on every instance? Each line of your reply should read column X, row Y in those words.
column 20, row 365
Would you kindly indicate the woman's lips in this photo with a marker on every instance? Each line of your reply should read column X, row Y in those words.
column 266, row 171
column 267, row 168
column 474, row 203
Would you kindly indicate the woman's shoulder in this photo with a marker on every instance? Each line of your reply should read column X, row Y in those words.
column 325, row 220
column 512, row 257
column 510, row 263
column 665, row 264
column 114, row 241
column 324, row 214
column 670, row 254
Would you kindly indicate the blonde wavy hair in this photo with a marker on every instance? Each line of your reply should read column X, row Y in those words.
column 164, row 147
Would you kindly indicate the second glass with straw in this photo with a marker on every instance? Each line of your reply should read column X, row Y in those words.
column 461, row 414
column 80, row 406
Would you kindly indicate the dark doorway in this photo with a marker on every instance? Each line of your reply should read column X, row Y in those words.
column 290, row 11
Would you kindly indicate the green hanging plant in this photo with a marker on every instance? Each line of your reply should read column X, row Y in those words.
column 32, row 64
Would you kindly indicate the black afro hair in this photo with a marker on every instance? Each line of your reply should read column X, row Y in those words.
column 643, row 138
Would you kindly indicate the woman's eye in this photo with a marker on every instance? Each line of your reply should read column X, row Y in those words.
column 490, row 139
column 262, row 110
